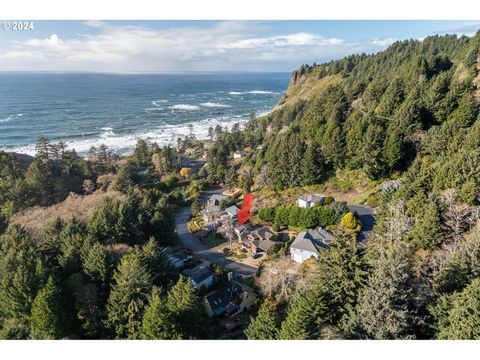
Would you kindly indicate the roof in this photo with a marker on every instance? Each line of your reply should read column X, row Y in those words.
column 212, row 209
column 238, row 152
column 312, row 240
column 265, row 245
column 198, row 273
column 218, row 197
column 225, row 299
column 312, row 197
column 232, row 210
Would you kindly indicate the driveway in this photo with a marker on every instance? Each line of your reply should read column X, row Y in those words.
column 202, row 250
column 365, row 215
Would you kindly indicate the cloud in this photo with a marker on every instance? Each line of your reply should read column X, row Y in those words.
column 228, row 45
column 383, row 41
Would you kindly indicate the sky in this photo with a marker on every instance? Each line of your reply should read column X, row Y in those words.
column 182, row 46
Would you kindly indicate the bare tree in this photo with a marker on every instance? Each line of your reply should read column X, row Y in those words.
column 279, row 279
column 397, row 223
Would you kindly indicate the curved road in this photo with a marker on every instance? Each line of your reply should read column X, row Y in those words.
column 202, row 250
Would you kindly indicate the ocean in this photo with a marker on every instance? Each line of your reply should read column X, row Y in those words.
column 87, row 110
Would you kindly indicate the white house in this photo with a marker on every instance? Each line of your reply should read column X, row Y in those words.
column 239, row 154
column 308, row 244
column 310, row 200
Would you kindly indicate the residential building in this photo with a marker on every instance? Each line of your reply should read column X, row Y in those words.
column 216, row 199
column 232, row 211
column 239, row 154
column 309, row 243
column 229, row 300
column 211, row 214
column 233, row 192
column 310, row 200
column 200, row 276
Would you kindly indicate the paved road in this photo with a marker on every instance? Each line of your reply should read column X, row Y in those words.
column 365, row 215
column 202, row 250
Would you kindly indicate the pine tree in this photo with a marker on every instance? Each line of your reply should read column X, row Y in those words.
column 157, row 323
column 341, row 274
column 184, row 304
column 264, row 326
column 457, row 316
column 312, row 166
column 426, row 232
column 158, row 264
column 383, row 310
column 306, row 313
column 94, row 262
column 128, row 297
column 48, row 320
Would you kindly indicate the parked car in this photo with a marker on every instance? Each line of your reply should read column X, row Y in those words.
column 255, row 255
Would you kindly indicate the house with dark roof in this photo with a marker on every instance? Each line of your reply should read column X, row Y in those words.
column 262, row 239
column 309, row 243
column 310, row 200
column 228, row 300
column 200, row 276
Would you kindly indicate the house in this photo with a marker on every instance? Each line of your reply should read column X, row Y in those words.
column 242, row 231
column 309, row 243
column 233, row 192
column 200, row 276
column 232, row 211
column 229, row 300
column 239, row 154
column 211, row 214
column 391, row 184
column 310, row 200
column 216, row 199
column 176, row 259
column 262, row 239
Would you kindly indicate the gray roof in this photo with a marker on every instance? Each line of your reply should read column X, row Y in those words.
column 218, row 197
column 265, row 245
column 232, row 210
column 312, row 197
column 198, row 273
column 312, row 240
column 212, row 209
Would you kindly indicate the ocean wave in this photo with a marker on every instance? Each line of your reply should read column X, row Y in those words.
column 156, row 102
column 107, row 132
column 7, row 119
column 214, row 105
column 20, row 115
column 124, row 144
column 185, row 107
column 254, row 92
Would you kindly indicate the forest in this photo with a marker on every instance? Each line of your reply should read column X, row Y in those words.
column 409, row 112
column 106, row 277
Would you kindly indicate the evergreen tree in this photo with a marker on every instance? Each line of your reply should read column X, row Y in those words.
column 128, row 297
column 94, row 262
column 426, row 232
column 384, row 307
column 341, row 275
column 457, row 316
column 184, row 304
column 157, row 323
column 48, row 320
column 307, row 312
column 265, row 325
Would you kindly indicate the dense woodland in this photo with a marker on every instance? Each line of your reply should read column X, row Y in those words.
column 104, row 278
column 410, row 111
